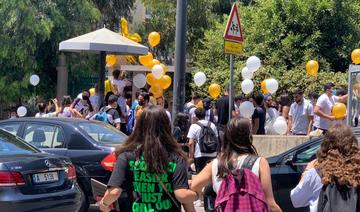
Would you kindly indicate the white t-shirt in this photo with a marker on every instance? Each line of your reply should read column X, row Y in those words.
column 325, row 103
column 45, row 115
column 216, row 181
column 271, row 115
column 194, row 133
column 66, row 113
column 120, row 85
column 299, row 115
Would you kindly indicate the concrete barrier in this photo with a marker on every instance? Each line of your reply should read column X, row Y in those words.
column 270, row 145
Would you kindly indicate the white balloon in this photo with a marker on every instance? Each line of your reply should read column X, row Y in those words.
column 253, row 63
column 139, row 80
column 34, row 80
column 21, row 111
column 247, row 86
column 247, row 109
column 199, row 78
column 157, row 71
column 271, row 85
column 246, row 73
column 280, row 126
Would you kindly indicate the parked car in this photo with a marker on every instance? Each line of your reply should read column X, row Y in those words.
column 88, row 144
column 286, row 169
column 32, row 180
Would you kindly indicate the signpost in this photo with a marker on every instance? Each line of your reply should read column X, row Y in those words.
column 233, row 38
column 353, row 104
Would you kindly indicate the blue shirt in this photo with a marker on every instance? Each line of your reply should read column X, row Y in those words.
column 307, row 192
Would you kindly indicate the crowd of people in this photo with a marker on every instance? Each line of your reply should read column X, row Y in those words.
column 163, row 152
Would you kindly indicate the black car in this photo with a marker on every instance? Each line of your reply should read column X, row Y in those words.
column 286, row 169
column 90, row 145
column 32, row 180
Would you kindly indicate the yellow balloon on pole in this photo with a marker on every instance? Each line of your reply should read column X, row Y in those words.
column 147, row 59
column 164, row 68
column 214, row 90
column 110, row 59
column 263, row 87
column 92, row 91
column 154, row 39
column 107, row 86
column 150, row 79
column 355, row 56
column 165, row 82
column 312, row 67
column 339, row 110
column 156, row 90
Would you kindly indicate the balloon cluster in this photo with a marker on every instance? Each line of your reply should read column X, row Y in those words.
column 157, row 79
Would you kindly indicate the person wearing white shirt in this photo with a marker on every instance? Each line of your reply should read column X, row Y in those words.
column 300, row 115
column 119, row 82
column 43, row 110
column 324, row 106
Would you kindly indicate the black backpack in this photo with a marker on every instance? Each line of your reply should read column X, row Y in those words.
column 334, row 198
column 208, row 141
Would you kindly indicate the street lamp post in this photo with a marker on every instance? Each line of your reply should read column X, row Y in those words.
column 180, row 58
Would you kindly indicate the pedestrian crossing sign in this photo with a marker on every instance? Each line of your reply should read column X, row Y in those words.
column 233, row 31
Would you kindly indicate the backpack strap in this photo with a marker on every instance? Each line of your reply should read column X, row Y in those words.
column 249, row 161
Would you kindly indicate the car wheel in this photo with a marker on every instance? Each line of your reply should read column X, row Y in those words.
column 85, row 203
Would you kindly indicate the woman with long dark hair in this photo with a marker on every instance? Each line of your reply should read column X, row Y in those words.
column 337, row 163
column 151, row 166
column 181, row 128
column 236, row 146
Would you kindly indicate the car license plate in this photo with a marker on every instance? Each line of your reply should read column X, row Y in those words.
column 45, row 177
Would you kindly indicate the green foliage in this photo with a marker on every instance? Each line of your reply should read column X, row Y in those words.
column 163, row 20
column 285, row 35
column 30, row 35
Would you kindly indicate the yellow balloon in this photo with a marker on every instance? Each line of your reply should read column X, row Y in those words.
column 156, row 90
column 200, row 105
column 154, row 62
column 147, row 59
column 154, row 39
column 355, row 56
column 214, row 90
column 339, row 110
column 164, row 68
column 312, row 67
column 110, row 59
column 124, row 26
column 165, row 82
column 107, row 86
column 92, row 91
column 150, row 79
column 263, row 87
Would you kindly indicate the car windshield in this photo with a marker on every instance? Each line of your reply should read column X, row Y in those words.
column 11, row 145
column 103, row 133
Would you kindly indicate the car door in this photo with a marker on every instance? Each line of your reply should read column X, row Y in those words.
column 12, row 127
column 49, row 138
column 288, row 173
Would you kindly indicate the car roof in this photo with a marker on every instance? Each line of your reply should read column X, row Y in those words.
column 50, row 120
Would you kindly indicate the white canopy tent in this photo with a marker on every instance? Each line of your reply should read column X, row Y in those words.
column 103, row 41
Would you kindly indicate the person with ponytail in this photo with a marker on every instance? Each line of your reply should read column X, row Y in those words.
column 152, row 167
column 235, row 147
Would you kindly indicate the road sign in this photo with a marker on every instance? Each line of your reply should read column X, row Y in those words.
column 233, row 30
column 231, row 47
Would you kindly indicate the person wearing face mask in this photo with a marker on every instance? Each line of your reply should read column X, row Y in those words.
column 324, row 105
column 143, row 102
column 82, row 106
column 300, row 115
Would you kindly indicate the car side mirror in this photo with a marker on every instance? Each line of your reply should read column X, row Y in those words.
column 290, row 160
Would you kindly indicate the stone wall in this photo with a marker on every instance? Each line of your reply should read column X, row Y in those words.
column 270, row 145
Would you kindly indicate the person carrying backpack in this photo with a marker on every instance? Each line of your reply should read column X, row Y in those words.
column 238, row 174
column 109, row 114
column 331, row 182
column 203, row 141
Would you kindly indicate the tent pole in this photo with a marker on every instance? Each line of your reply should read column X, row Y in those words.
column 101, row 77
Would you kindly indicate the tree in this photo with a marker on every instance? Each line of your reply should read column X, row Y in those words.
column 284, row 35
column 30, row 35
column 163, row 20
column 113, row 10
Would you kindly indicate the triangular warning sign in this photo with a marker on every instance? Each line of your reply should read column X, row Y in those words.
column 233, row 30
